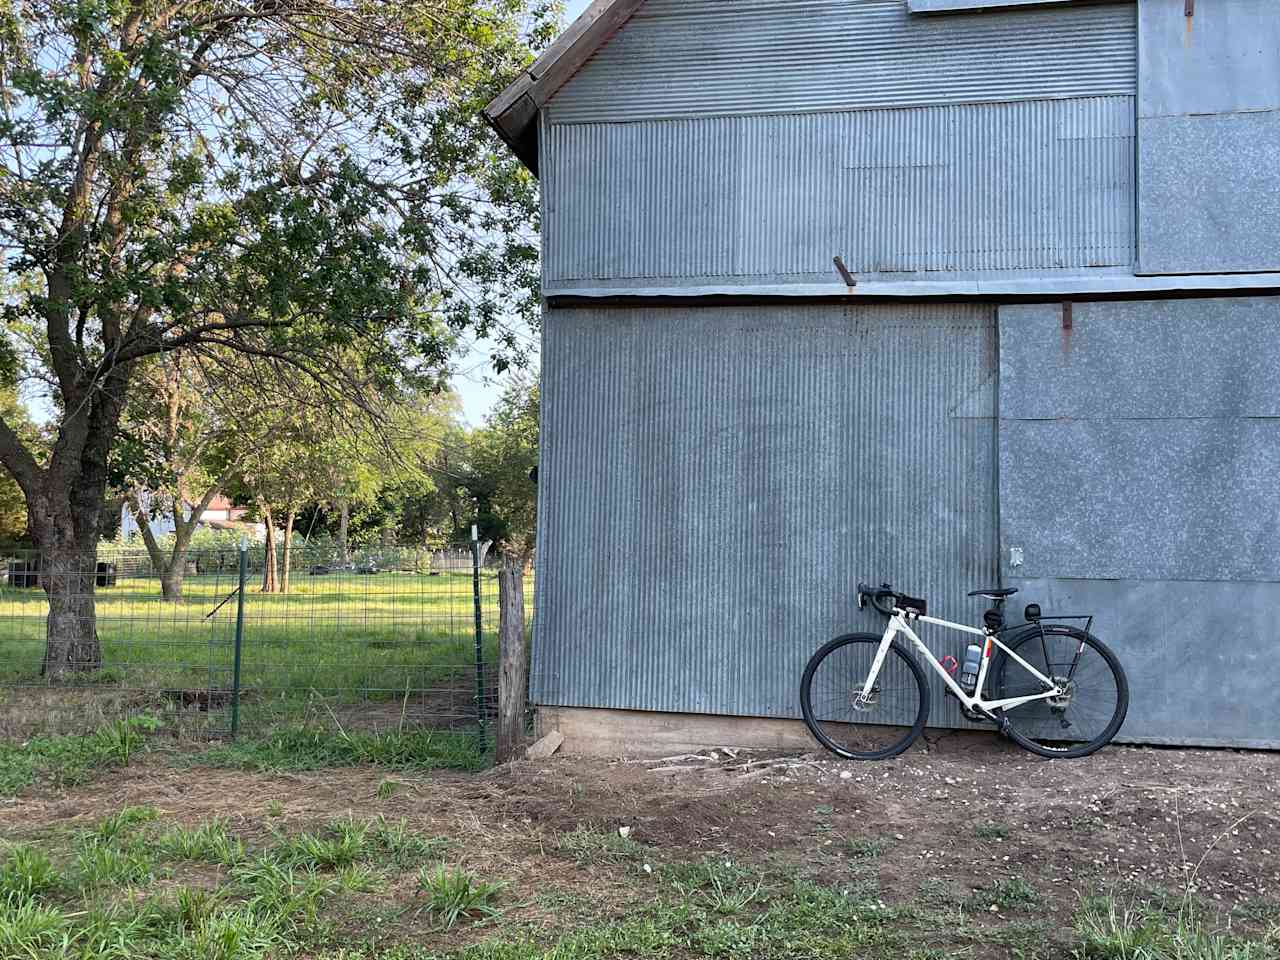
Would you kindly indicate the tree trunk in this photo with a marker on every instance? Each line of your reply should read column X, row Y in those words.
column 169, row 568
column 71, row 638
column 288, row 550
column 344, row 522
column 66, row 534
column 269, row 566
column 171, row 580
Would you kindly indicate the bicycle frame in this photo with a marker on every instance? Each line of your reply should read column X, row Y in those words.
column 898, row 624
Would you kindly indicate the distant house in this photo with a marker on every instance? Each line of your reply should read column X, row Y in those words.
column 221, row 514
column 1049, row 356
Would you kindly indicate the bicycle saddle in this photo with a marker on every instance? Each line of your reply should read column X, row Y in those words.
column 994, row 593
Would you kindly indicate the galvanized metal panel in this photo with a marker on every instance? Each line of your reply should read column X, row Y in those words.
column 1168, row 471
column 1224, row 59
column 1208, row 200
column 715, row 481
column 1191, row 682
column 1208, row 137
column 1039, row 186
column 1203, row 359
column 687, row 58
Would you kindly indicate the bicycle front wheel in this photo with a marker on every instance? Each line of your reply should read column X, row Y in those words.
column 860, row 726
column 1092, row 707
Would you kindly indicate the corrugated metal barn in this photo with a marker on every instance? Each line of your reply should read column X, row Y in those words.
column 1058, row 368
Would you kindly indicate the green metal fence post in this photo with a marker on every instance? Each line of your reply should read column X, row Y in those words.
column 235, row 672
column 475, row 593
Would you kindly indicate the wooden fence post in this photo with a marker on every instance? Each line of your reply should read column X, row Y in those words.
column 513, row 680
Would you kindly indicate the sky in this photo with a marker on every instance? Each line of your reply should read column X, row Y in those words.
column 477, row 386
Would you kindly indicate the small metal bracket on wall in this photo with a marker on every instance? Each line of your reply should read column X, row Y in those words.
column 1066, row 315
column 849, row 281
column 1189, row 8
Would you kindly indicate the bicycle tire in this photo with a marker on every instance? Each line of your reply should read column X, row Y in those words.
column 1037, row 726
column 897, row 669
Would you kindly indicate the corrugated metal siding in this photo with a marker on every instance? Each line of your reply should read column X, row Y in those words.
column 715, row 481
column 686, row 58
column 1032, row 185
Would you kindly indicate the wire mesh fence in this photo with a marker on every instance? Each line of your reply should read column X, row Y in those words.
column 394, row 639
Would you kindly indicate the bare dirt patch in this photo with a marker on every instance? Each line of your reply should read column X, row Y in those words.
column 967, row 824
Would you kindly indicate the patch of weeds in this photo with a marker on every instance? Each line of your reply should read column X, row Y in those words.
column 357, row 879
column 100, row 864
column 991, row 830
column 452, row 894
column 275, row 808
column 1108, row 930
column 719, row 886
column 208, row 843
column 866, row 848
column 28, row 929
column 1257, row 910
column 322, row 852
column 938, row 893
column 71, row 760
column 388, row 788
column 1086, row 823
column 1009, row 893
column 402, row 846
column 724, row 938
column 26, row 872
column 310, row 748
column 122, row 822
column 286, row 892
column 588, row 846
column 193, row 905
column 121, row 931
column 236, row 934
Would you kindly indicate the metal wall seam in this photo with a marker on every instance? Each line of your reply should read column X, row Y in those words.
column 716, row 480
column 1034, row 185
column 685, row 58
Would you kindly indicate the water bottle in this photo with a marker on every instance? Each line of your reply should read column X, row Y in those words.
column 969, row 669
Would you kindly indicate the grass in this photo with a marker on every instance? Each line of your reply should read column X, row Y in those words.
column 26, row 873
column 399, row 845
column 1009, row 893
column 136, row 885
column 331, row 642
column 207, row 843
column 1111, row 930
column 866, row 848
column 587, row 845
column 315, row 748
column 69, row 760
column 452, row 895
column 991, row 830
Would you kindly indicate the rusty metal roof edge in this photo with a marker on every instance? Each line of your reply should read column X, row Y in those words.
column 1044, row 289
column 514, row 111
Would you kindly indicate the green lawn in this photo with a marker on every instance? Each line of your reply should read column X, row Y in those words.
column 401, row 643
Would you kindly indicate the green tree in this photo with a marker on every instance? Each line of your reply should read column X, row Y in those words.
column 13, row 505
column 501, row 458
column 278, row 179
column 177, row 448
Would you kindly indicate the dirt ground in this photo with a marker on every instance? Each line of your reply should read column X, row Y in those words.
column 956, row 819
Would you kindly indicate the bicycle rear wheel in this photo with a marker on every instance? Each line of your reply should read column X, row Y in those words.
column 1090, row 712
column 851, row 726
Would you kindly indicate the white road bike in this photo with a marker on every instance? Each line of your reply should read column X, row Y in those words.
column 1053, row 688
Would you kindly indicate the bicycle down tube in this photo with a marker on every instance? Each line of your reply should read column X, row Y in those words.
column 898, row 624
